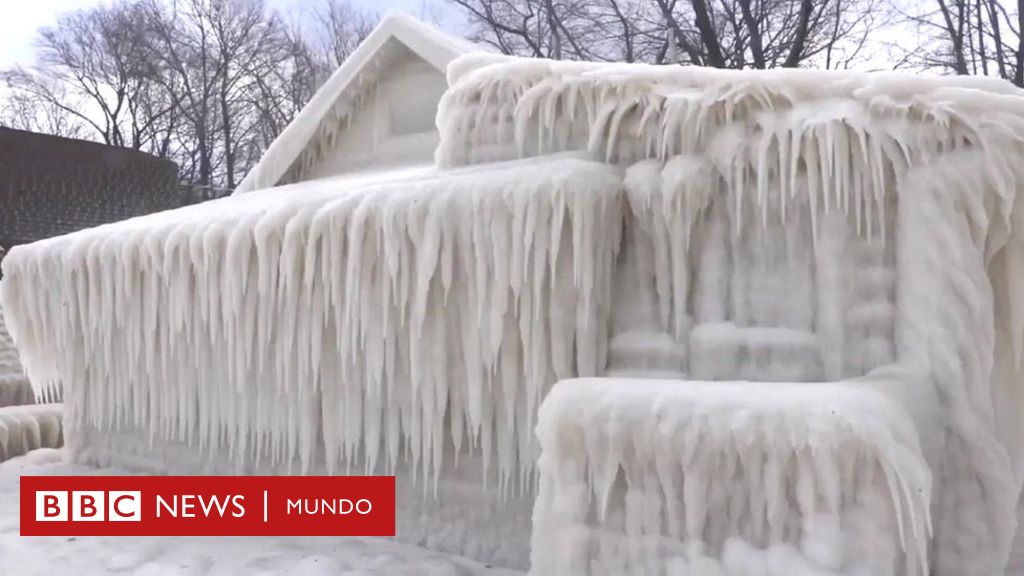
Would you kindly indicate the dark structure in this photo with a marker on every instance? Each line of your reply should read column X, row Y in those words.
column 51, row 185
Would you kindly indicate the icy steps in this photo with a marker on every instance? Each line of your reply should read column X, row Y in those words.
column 714, row 478
column 27, row 428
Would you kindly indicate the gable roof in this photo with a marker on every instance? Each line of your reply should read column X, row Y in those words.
column 432, row 45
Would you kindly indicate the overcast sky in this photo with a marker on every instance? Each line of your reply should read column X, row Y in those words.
column 22, row 18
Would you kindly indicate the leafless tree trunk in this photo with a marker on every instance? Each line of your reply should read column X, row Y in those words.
column 718, row 33
column 971, row 37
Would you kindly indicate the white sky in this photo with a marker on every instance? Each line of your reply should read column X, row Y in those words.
column 22, row 18
column 20, row 22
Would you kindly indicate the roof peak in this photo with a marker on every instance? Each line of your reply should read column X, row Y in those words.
column 428, row 42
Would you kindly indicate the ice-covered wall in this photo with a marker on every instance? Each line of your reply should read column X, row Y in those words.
column 757, row 302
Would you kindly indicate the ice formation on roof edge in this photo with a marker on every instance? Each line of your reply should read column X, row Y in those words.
column 498, row 107
column 423, row 299
column 290, row 155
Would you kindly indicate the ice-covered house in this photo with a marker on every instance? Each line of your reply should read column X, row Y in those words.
column 633, row 320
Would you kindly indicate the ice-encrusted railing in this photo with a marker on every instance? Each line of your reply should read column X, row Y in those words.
column 729, row 478
column 359, row 322
column 946, row 151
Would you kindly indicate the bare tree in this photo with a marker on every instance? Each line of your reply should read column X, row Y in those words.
column 337, row 28
column 216, row 54
column 207, row 83
column 308, row 48
column 977, row 37
column 24, row 111
column 718, row 33
column 539, row 28
column 93, row 66
column 243, row 37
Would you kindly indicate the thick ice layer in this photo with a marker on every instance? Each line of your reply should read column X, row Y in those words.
column 457, row 515
column 354, row 319
column 26, row 428
column 731, row 478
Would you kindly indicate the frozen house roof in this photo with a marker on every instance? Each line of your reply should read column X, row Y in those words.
column 340, row 95
column 499, row 107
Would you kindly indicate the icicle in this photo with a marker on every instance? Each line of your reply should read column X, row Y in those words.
column 271, row 317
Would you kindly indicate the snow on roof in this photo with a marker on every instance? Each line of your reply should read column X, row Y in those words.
column 347, row 84
column 498, row 107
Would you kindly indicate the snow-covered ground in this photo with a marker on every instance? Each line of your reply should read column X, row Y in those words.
column 85, row 556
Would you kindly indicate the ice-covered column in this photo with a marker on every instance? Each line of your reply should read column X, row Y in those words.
column 947, row 317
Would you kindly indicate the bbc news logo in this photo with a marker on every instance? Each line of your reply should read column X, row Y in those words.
column 88, row 506
column 208, row 505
